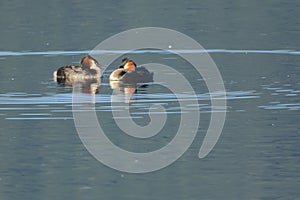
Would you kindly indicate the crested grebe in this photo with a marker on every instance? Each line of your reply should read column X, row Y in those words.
column 129, row 73
column 89, row 69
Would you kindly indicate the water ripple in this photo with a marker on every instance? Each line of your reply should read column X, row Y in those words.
column 284, row 95
column 288, row 106
column 181, row 51
column 34, row 99
column 59, row 106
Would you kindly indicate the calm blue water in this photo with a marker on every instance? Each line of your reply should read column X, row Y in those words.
column 256, row 48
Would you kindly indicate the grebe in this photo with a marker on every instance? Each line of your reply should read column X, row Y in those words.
column 129, row 73
column 88, row 70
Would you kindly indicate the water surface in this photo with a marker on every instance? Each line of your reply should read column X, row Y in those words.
column 256, row 48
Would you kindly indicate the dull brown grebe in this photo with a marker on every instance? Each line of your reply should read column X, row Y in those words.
column 88, row 70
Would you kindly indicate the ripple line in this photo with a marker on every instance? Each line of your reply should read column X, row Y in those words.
column 170, row 51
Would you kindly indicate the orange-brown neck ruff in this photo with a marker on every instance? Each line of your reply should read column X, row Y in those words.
column 86, row 62
column 129, row 66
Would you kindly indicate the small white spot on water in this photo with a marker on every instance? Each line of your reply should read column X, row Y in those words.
column 291, row 95
column 274, row 102
column 283, row 90
column 39, row 118
column 85, row 188
column 34, row 114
